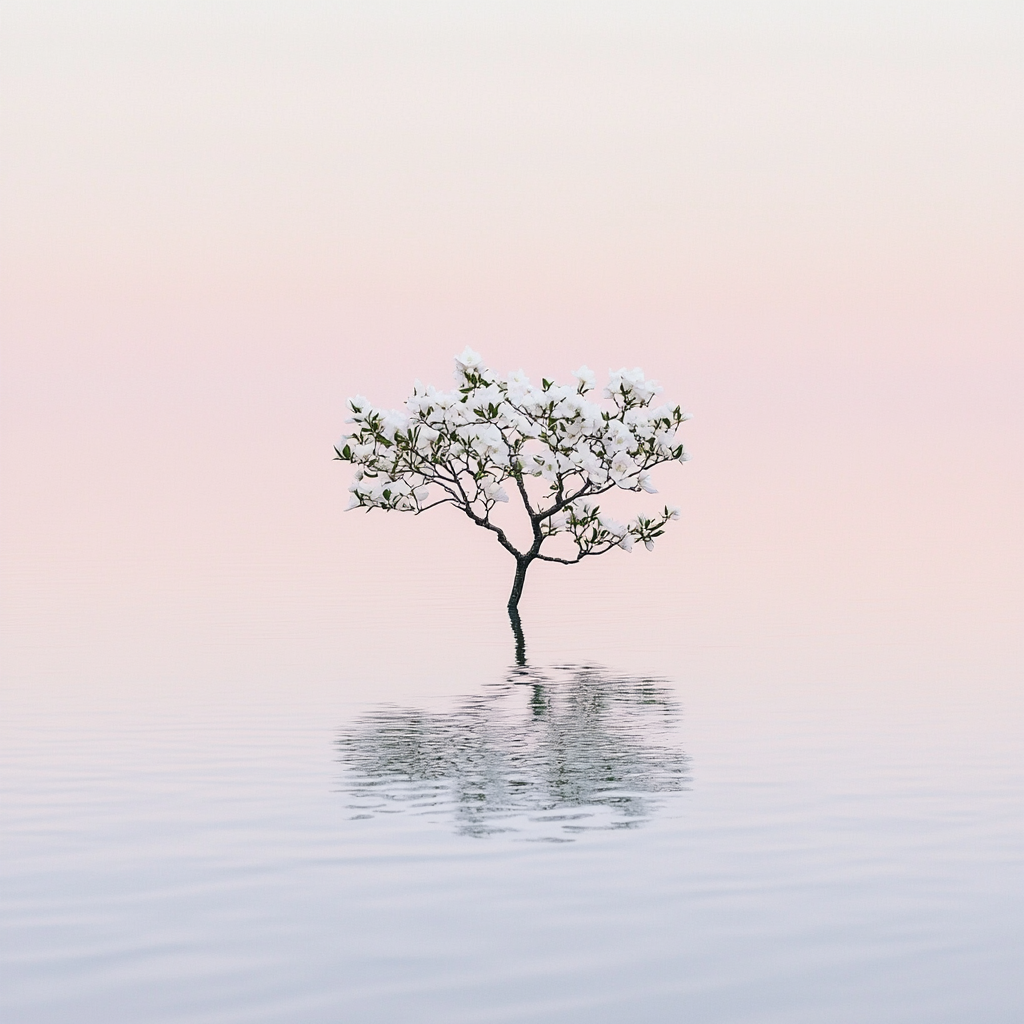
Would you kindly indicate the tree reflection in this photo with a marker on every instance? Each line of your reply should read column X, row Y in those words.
column 561, row 751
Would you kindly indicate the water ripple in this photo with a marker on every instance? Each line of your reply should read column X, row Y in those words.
column 549, row 753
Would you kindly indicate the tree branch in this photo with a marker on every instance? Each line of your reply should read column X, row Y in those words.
column 488, row 525
column 434, row 504
column 579, row 558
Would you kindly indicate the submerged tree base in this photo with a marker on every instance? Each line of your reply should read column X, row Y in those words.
column 517, row 632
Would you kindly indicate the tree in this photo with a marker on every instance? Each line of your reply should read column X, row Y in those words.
column 462, row 447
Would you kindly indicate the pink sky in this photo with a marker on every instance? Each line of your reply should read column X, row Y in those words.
column 805, row 220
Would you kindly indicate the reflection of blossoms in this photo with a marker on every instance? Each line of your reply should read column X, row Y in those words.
column 547, row 754
column 461, row 447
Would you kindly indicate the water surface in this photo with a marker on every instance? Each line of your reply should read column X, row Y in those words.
column 770, row 833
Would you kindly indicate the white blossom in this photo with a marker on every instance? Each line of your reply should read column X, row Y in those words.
column 467, row 360
column 462, row 447
column 586, row 377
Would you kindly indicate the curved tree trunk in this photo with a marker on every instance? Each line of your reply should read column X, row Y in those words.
column 522, row 564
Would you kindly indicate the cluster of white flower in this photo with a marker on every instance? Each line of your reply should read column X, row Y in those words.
column 464, row 446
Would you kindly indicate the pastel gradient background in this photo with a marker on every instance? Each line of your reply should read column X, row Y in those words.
column 220, row 220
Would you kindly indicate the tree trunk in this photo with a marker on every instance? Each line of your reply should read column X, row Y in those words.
column 522, row 564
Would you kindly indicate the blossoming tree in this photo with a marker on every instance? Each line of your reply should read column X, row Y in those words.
column 551, row 445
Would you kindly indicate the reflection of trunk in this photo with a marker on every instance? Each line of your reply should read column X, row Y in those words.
column 522, row 564
column 517, row 632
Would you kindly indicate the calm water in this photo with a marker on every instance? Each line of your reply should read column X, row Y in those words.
column 260, row 826
column 266, row 762
column 547, row 754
